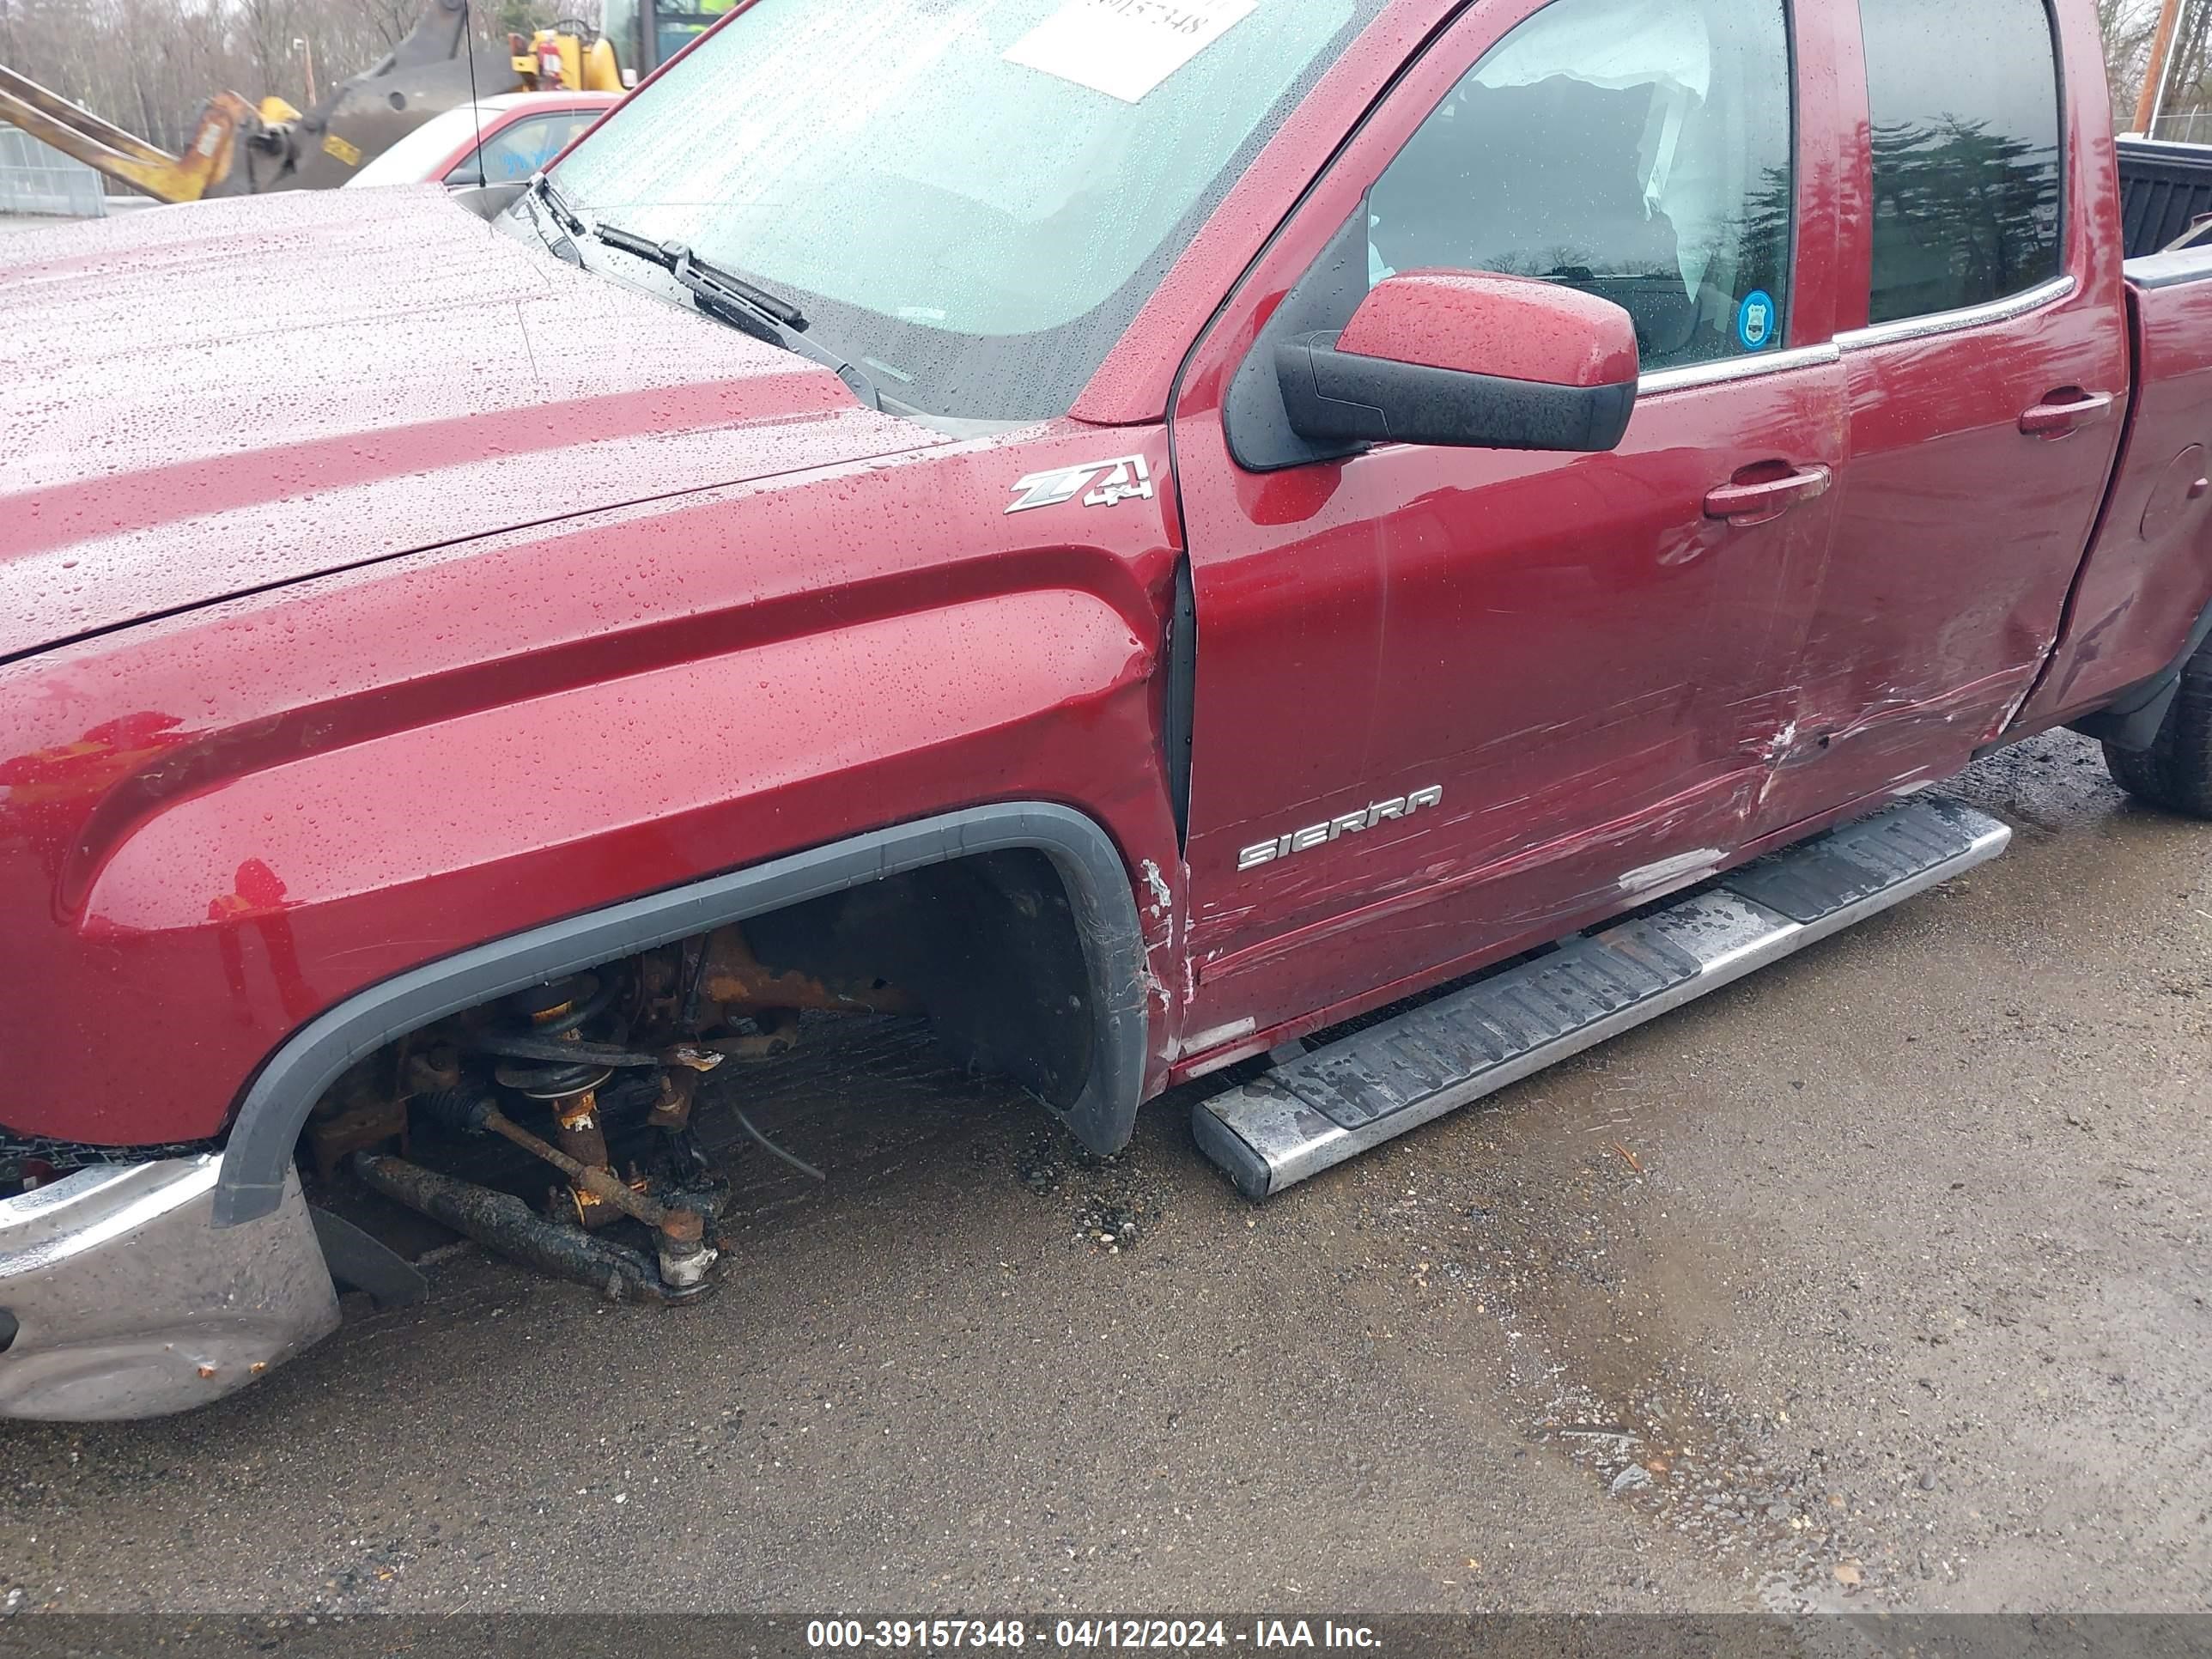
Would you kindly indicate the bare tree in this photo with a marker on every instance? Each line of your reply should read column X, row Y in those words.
column 2127, row 27
column 2189, row 90
column 388, row 20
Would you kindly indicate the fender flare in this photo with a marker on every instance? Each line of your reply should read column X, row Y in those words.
column 267, row 1127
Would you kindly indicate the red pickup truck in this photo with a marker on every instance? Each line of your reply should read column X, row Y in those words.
column 1136, row 533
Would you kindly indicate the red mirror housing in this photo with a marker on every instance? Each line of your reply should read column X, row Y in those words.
column 1477, row 322
column 1467, row 358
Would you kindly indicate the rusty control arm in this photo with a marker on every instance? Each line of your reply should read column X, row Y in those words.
column 597, row 1180
column 680, row 1233
column 76, row 131
column 504, row 1223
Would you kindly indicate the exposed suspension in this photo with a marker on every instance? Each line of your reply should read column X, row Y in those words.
column 604, row 1055
column 557, row 1014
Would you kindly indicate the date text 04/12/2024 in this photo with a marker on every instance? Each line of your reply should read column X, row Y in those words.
column 927, row 1635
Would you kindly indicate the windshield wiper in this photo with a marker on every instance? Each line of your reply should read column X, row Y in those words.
column 711, row 285
column 744, row 305
column 557, row 204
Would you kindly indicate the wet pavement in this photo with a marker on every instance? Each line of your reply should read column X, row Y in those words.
column 1878, row 1280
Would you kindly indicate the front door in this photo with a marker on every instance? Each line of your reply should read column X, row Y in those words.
column 1988, row 390
column 1473, row 700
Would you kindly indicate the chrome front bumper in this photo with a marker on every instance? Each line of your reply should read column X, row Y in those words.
column 128, row 1301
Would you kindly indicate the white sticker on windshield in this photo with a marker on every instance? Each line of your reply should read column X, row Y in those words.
column 1125, row 48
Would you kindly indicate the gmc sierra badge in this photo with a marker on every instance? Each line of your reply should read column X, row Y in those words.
column 1319, row 834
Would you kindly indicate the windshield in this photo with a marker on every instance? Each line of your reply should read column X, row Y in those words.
column 970, row 198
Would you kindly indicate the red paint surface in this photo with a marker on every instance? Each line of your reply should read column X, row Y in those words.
column 1586, row 665
column 1481, row 324
column 372, row 586
column 195, row 404
column 1957, row 537
column 2149, row 574
column 438, row 748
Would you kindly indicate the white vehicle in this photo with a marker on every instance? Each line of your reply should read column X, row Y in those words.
column 494, row 141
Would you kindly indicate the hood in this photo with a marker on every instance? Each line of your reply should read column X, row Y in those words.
column 201, row 401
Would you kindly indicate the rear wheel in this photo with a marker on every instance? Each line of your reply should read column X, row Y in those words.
column 2176, row 771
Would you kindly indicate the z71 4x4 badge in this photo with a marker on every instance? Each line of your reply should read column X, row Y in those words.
column 1319, row 834
column 1126, row 478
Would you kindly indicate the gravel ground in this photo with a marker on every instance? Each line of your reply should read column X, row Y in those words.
column 1877, row 1281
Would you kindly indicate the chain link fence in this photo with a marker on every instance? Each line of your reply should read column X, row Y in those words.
column 35, row 177
column 2192, row 127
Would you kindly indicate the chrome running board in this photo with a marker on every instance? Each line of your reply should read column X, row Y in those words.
column 1320, row 1108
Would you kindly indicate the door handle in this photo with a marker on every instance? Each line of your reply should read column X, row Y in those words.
column 2065, row 410
column 1761, row 499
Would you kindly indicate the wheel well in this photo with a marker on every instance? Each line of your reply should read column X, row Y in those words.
column 987, row 947
column 1014, row 928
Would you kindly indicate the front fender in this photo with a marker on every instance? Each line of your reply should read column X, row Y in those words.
column 605, row 788
column 217, row 828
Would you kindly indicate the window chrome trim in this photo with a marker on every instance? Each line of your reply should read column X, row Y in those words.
column 1724, row 369
column 1951, row 322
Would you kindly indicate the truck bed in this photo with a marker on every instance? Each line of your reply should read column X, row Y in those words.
column 2163, row 189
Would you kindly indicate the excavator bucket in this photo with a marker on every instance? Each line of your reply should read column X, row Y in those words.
column 76, row 131
column 438, row 66
column 236, row 150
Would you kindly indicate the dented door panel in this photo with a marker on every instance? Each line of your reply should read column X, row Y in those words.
column 1571, row 654
column 2148, row 576
column 1956, row 539
column 1958, row 531
column 1576, row 662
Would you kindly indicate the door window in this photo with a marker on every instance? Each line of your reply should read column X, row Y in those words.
column 520, row 148
column 1638, row 150
column 1963, row 98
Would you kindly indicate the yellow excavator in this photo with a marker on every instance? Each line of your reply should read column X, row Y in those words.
column 239, row 148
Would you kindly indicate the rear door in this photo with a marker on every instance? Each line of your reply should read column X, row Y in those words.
column 1475, row 698
column 1988, row 376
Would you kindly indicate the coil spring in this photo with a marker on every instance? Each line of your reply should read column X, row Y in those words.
column 554, row 1011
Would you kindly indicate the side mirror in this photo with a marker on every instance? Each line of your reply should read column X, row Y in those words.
column 1469, row 359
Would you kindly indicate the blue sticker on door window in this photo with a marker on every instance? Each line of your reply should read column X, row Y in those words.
column 1755, row 321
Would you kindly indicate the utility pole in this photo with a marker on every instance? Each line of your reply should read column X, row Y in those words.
column 308, row 47
column 2153, row 85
